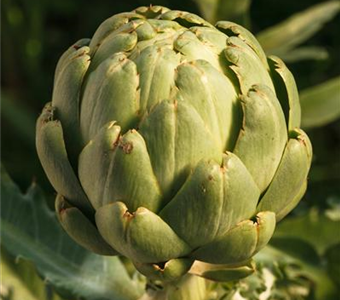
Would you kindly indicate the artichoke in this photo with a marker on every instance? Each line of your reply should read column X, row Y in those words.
column 170, row 140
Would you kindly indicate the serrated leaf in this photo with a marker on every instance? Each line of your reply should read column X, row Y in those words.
column 20, row 281
column 297, row 252
column 320, row 104
column 286, row 35
column 314, row 228
column 30, row 230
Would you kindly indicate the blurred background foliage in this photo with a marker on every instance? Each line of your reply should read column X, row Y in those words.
column 34, row 33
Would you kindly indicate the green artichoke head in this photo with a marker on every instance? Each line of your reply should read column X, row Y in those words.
column 170, row 140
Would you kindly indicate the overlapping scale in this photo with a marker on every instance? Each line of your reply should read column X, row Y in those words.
column 212, row 200
column 156, row 67
column 240, row 243
column 233, row 29
column 53, row 156
column 191, row 48
column 287, row 92
column 116, row 22
column 131, row 176
column 80, row 228
column 246, row 65
column 95, row 161
column 68, row 80
column 213, row 97
column 290, row 176
column 115, row 43
column 125, row 232
column 263, row 136
column 177, row 139
column 210, row 37
column 111, row 93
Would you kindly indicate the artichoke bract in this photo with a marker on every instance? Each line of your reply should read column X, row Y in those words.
column 170, row 140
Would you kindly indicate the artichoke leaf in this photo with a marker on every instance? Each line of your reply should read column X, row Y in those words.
column 111, row 93
column 66, row 95
column 240, row 243
column 233, row 29
column 125, row 232
column 263, row 135
column 53, row 156
column 286, row 91
column 290, row 176
column 80, row 228
column 173, row 132
column 213, row 199
column 288, row 34
column 247, row 66
column 95, row 160
column 320, row 104
column 303, row 53
column 130, row 175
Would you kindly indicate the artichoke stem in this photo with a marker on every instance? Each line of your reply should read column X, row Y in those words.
column 188, row 287
column 153, row 295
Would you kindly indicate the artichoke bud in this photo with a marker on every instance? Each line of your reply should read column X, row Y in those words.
column 175, row 143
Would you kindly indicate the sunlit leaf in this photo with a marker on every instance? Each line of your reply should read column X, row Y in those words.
column 286, row 35
column 320, row 104
column 305, row 53
column 293, row 273
column 230, row 10
column 30, row 230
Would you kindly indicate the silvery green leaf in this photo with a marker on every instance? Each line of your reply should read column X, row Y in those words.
column 286, row 35
column 29, row 229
